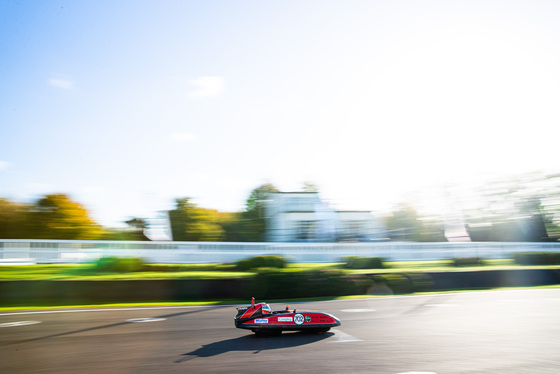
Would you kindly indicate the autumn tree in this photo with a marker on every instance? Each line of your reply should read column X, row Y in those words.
column 56, row 216
column 13, row 218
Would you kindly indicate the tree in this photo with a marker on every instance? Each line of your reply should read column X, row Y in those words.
column 56, row 216
column 310, row 187
column 136, row 226
column 253, row 224
column 192, row 223
column 134, row 231
column 404, row 224
column 232, row 224
column 513, row 209
column 258, row 195
column 13, row 217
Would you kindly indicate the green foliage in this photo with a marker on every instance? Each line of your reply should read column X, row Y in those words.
column 467, row 261
column 119, row 264
column 522, row 207
column 137, row 223
column 254, row 201
column 252, row 226
column 525, row 229
column 269, row 261
column 313, row 283
column 356, row 262
column 419, row 281
column 232, row 224
column 404, row 224
column 397, row 283
column 537, row 258
column 134, row 232
column 174, row 268
column 310, row 187
column 13, row 220
column 30, row 272
column 401, row 283
column 192, row 223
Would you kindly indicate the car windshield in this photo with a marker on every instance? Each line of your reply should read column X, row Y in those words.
column 266, row 308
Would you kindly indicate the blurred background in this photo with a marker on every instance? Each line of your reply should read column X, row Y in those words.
column 405, row 121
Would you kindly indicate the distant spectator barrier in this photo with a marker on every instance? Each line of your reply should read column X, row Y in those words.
column 76, row 251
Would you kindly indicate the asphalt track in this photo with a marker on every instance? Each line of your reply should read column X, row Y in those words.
column 481, row 332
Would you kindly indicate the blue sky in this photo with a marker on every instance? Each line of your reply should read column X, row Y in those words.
column 126, row 105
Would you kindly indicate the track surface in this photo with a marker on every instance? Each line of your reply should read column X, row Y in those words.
column 482, row 332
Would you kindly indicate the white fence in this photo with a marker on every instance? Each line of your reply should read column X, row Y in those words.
column 76, row 251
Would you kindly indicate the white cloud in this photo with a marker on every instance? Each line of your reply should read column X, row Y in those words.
column 183, row 136
column 4, row 165
column 207, row 87
column 61, row 83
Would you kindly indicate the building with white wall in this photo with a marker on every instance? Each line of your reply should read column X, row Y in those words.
column 304, row 217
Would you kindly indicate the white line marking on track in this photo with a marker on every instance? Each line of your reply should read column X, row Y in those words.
column 417, row 372
column 112, row 309
column 133, row 320
column 19, row 323
column 357, row 310
column 342, row 337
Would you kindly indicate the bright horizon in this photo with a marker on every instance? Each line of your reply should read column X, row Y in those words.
column 126, row 106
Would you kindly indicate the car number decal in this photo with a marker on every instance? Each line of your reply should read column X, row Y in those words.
column 299, row 319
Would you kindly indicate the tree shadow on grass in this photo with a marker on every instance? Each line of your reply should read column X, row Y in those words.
column 255, row 344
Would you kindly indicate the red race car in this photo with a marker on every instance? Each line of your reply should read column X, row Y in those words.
column 260, row 319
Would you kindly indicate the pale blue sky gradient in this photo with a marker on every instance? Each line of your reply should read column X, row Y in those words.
column 126, row 105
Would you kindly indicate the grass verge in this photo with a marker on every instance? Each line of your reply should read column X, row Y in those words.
column 220, row 271
column 228, row 302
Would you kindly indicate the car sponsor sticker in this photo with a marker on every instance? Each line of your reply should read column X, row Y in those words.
column 285, row 319
column 308, row 319
column 261, row 320
column 299, row 319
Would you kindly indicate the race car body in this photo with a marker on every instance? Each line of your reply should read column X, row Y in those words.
column 260, row 319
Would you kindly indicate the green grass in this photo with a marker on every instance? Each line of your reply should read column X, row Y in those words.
column 446, row 266
column 111, row 305
column 17, row 272
column 88, row 272
column 164, row 271
column 220, row 271
column 314, row 266
column 217, row 271
column 291, row 302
